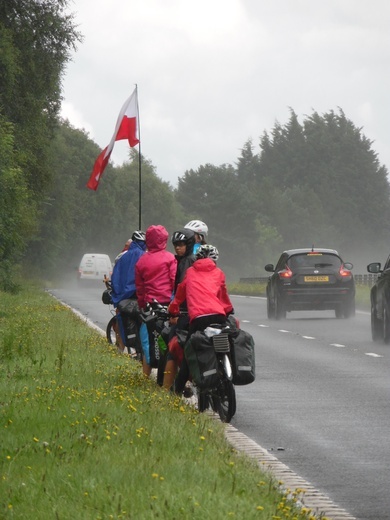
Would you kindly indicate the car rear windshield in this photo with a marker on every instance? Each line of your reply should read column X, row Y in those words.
column 313, row 260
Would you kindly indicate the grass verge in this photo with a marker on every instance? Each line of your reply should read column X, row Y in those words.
column 85, row 435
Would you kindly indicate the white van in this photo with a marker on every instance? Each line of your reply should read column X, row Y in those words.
column 94, row 266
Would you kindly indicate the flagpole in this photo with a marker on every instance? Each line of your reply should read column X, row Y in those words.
column 139, row 165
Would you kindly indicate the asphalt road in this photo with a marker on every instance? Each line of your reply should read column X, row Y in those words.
column 320, row 402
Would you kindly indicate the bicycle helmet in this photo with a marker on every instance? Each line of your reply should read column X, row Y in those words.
column 207, row 251
column 198, row 226
column 184, row 235
column 138, row 235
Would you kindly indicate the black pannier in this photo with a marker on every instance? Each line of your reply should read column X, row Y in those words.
column 130, row 308
column 106, row 297
column 202, row 361
column 243, row 358
column 131, row 332
column 130, row 314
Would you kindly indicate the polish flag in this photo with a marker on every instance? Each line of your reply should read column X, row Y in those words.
column 126, row 128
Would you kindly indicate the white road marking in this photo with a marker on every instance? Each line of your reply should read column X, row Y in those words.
column 372, row 354
column 265, row 326
column 338, row 345
column 308, row 337
column 282, row 330
column 245, row 321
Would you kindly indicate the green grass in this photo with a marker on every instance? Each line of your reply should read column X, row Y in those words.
column 85, row 435
column 247, row 289
column 362, row 297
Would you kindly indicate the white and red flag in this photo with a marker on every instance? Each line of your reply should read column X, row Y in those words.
column 126, row 128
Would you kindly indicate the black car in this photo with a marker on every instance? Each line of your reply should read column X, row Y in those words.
column 310, row 279
column 380, row 301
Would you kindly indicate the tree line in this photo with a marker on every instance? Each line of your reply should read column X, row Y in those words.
column 317, row 182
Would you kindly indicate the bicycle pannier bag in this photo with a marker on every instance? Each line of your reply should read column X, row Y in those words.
column 106, row 297
column 243, row 358
column 131, row 333
column 202, row 361
column 130, row 308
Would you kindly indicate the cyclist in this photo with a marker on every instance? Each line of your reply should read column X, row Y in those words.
column 201, row 231
column 183, row 242
column 123, row 277
column 125, row 248
column 154, row 279
column 204, row 289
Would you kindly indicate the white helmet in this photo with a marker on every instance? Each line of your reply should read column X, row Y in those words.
column 138, row 235
column 198, row 226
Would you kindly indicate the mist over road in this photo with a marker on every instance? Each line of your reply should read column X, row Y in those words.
column 320, row 402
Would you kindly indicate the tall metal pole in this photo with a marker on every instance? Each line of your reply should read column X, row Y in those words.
column 139, row 166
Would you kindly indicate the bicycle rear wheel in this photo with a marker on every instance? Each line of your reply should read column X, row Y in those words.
column 224, row 400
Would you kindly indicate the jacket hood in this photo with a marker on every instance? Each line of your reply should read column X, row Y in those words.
column 156, row 238
column 204, row 264
column 137, row 244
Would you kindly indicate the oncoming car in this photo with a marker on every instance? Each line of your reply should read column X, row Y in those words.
column 310, row 279
column 380, row 301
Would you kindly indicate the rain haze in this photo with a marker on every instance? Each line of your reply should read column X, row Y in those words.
column 213, row 74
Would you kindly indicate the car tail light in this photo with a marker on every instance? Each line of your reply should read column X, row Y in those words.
column 345, row 273
column 286, row 273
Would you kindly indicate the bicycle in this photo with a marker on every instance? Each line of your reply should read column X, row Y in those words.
column 156, row 317
column 130, row 325
column 215, row 388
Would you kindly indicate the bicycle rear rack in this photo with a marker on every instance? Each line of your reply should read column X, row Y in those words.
column 221, row 342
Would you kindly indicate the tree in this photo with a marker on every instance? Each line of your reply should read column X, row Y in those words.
column 247, row 165
column 217, row 196
column 36, row 39
column 16, row 214
column 77, row 220
column 328, row 185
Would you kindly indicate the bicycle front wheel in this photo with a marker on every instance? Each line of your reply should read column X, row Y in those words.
column 203, row 400
column 224, row 400
column 111, row 331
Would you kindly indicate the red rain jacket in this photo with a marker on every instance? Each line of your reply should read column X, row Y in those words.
column 204, row 289
column 155, row 271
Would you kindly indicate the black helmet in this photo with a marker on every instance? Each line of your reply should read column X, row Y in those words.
column 184, row 235
column 138, row 235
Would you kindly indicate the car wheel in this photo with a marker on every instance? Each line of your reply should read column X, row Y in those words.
column 270, row 309
column 376, row 325
column 339, row 312
column 386, row 324
column 280, row 311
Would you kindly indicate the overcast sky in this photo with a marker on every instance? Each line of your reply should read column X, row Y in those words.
column 212, row 74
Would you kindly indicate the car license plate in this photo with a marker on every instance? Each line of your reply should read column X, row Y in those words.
column 316, row 278
column 87, row 272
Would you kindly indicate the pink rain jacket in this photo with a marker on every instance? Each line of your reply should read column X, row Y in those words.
column 155, row 271
column 204, row 289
